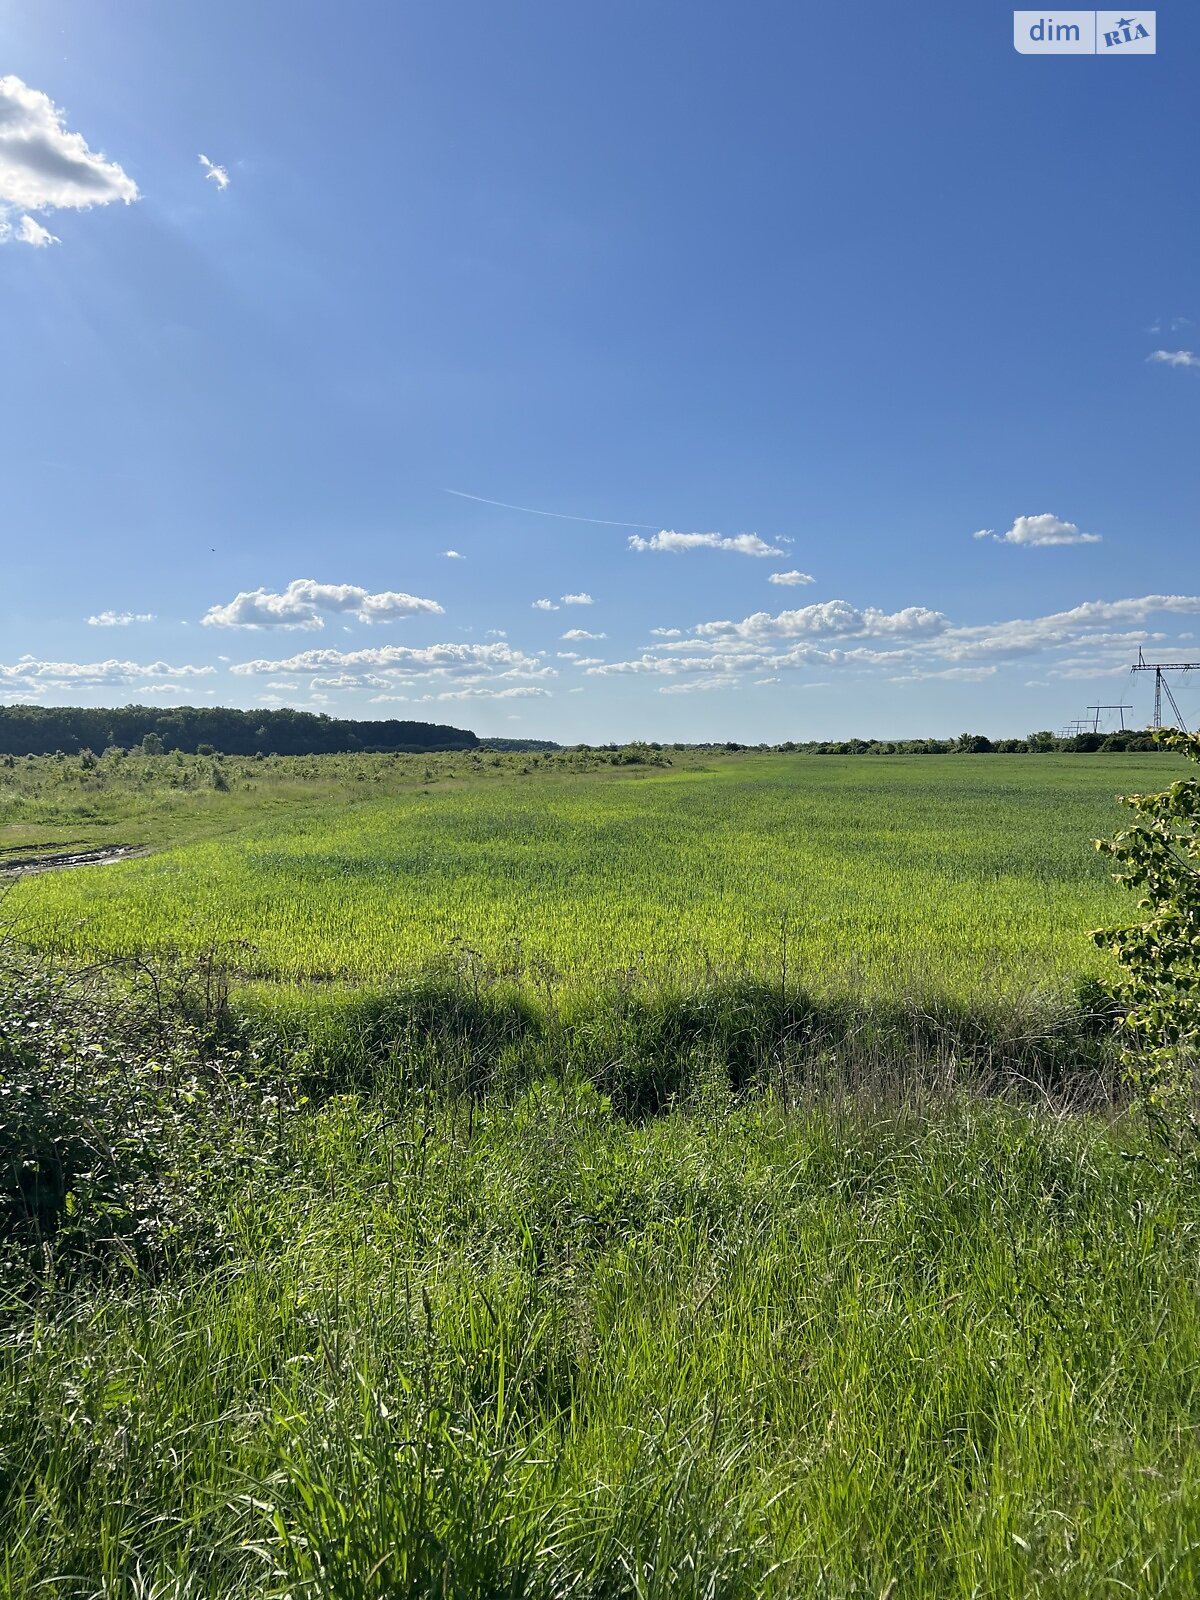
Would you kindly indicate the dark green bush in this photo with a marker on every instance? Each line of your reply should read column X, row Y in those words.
column 124, row 1114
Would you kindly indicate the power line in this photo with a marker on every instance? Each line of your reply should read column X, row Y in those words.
column 1122, row 709
column 1161, row 686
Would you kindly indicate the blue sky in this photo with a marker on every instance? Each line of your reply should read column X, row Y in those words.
column 840, row 289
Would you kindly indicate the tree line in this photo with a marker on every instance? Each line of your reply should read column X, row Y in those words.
column 1043, row 743
column 43, row 730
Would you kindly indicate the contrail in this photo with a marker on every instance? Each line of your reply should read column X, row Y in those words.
column 565, row 516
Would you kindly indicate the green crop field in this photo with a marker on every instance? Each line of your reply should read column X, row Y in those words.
column 610, row 1176
column 972, row 876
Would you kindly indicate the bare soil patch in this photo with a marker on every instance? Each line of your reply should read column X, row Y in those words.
column 60, row 860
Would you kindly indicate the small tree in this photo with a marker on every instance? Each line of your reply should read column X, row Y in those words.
column 1159, row 990
column 152, row 745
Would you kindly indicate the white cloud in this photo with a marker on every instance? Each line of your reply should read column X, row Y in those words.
column 790, row 578
column 950, row 674
column 1175, row 358
column 761, row 682
column 826, row 619
column 582, row 633
column 1044, row 529
column 1085, row 671
column 544, row 605
column 925, row 644
column 44, row 167
column 678, row 666
column 30, row 232
column 394, row 658
column 301, row 603
column 526, row 693
column 755, row 657
column 454, row 555
column 590, row 661
column 745, row 544
column 698, row 684
column 526, row 674
column 1061, row 629
column 218, row 174
column 38, row 677
column 119, row 619
column 577, row 600
column 666, row 633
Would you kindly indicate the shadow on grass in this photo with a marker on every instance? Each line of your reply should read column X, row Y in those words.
column 648, row 1049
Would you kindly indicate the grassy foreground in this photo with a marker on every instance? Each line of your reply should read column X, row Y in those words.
column 258, row 1339
column 739, row 1353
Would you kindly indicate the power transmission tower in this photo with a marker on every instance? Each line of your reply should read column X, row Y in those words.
column 1161, row 686
column 1098, row 709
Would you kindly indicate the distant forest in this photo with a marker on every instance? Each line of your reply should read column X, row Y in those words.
column 516, row 746
column 1043, row 743
column 42, row 730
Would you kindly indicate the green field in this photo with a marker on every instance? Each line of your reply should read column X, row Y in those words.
column 583, row 1178
column 965, row 876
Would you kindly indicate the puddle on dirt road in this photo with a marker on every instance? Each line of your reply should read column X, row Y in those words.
column 61, row 860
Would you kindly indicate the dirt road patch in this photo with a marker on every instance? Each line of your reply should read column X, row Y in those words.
column 58, row 862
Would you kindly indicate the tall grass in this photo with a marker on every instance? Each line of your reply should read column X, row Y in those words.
column 641, row 1045
column 533, row 1349
column 491, row 1275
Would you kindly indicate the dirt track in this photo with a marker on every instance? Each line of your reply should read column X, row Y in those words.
column 103, row 857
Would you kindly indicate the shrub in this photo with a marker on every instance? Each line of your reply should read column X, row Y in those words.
column 123, row 1114
column 1159, row 992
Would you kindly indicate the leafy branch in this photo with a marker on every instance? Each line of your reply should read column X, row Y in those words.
column 1158, row 857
